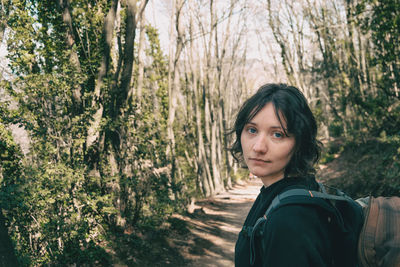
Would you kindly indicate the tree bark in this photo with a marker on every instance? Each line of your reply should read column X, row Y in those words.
column 93, row 133
column 70, row 40
column 141, row 46
column 173, row 82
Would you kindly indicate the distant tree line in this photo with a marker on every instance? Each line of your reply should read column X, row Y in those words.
column 345, row 57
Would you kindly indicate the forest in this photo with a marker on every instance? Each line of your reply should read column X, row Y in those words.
column 114, row 115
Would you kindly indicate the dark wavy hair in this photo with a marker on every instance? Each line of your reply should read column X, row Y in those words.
column 290, row 103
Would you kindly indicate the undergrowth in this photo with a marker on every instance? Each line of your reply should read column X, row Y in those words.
column 150, row 245
column 364, row 168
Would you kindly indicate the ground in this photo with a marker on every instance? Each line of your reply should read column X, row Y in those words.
column 219, row 223
column 204, row 238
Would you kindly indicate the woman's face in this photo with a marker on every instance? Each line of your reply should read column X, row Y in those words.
column 266, row 148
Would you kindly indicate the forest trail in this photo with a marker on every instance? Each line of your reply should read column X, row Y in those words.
column 215, row 224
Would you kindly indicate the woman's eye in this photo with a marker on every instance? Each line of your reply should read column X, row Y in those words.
column 251, row 130
column 278, row 135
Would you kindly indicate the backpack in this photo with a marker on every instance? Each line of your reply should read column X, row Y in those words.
column 371, row 223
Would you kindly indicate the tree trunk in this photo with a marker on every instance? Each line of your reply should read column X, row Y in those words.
column 70, row 40
column 173, row 83
column 140, row 60
column 93, row 133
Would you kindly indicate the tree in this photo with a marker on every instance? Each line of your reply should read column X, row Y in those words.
column 341, row 75
column 84, row 178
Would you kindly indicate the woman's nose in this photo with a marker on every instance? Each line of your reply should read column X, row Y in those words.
column 260, row 145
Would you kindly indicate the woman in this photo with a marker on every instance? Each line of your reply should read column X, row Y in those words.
column 276, row 137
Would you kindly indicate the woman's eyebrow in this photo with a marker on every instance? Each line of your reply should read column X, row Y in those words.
column 272, row 127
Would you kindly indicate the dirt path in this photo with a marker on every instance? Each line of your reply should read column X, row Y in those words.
column 215, row 224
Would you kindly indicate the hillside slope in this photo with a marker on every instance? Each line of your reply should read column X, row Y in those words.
column 361, row 169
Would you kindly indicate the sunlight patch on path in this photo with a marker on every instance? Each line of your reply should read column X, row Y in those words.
column 218, row 224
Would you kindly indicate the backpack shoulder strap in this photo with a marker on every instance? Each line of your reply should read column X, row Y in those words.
column 296, row 196
column 302, row 196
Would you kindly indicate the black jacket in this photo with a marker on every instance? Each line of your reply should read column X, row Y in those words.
column 295, row 236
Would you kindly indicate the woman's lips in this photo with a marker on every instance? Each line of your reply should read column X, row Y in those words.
column 259, row 160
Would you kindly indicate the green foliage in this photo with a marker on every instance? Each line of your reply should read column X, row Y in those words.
column 380, row 19
column 10, row 154
column 239, row 174
column 336, row 129
column 10, row 176
column 383, row 21
column 61, row 197
column 370, row 168
column 51, row 216
column 331, row 150
column 56, row 220
column 358, row 68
